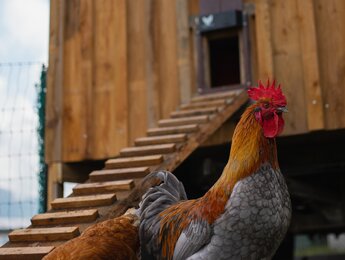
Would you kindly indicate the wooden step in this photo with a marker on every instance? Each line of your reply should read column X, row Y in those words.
column 183, row 121
column 103, row 187
column 119, row 174
column 65, row 217
column 24, row 253
column 133, row 161
column 43, row 234
column 84, row 201
column 148, row 150
column 177, row 138
column 172, row 130
column 195, row 112
column 205, row 104
column 215, row 96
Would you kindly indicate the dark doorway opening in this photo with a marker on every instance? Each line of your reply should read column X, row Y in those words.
column 224, row 57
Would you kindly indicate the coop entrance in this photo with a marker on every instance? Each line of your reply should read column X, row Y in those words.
column 221, row 50
column 224, row 60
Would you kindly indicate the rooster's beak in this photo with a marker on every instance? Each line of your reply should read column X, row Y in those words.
column 282, row 109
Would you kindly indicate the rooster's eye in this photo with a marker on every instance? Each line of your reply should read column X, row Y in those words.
column 266, row 105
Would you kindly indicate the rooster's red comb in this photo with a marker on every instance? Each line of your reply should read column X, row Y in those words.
column 270, row 92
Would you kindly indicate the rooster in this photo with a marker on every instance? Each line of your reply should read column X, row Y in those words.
column 111, row 239
column 244, row 215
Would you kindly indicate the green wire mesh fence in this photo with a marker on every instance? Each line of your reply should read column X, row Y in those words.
column 22, row 168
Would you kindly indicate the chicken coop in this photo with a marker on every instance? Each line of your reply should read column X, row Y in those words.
column 141, row 85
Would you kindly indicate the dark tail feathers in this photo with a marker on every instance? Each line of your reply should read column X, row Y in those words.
column 168, row 192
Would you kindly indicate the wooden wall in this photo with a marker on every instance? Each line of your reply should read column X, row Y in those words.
column 115, row 67
column 301, row 45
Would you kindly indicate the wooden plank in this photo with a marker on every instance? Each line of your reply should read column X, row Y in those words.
column 54, row 182
column 110, row 107
column 330, row 20
column 133, row 161
column 183, row 51
column 84, row 201
column 194, row 112
column 172, row 130
column 183, row 121
column 43, row 234
column 119, row 174
column 287, row 54
column 53, row 127
column 74, row 113
column 137, row 31
column 87, row 70
column 148, row 150
column 103, row 187
column 264, row 40
column 168, row 62
column 177, row 138
column 313, row 95
column 65, row 217
column 193, row 7
column 206, row 104
column 215, row 96
column 152, row 10
column 25, row 253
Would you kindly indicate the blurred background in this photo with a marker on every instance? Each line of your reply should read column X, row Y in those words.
column 300, row 43
column 24, row 36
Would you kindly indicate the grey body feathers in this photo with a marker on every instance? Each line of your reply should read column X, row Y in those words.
column 255, row 219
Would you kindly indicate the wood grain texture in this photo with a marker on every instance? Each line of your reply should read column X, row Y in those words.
column 205, row 104
column 184, row 62
column 330, row 31
column 103, row 187
column 74, row 113
column 172, row 130
column 151, row 140
column 110, row 100
column 43, row 234
column 215, row 96
column 137, row 31
column 194, row 112
column 168, row 69
column 148, row 150
column 84, row 201
column 65, row 217
column 119, row 174
column 183, row 121
column 313, row 94
column 264, row 39
column 54, row 183
column 133, row 161
column 24, row 253
column 152, row 9
column 54, row 98
column 288, row 66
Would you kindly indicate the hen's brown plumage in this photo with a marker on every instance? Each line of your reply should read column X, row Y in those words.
column 111, row 239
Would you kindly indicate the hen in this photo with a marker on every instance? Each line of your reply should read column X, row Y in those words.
column 246, row 213
column 111, row 239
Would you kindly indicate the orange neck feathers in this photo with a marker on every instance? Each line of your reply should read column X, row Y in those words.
column 249, row 150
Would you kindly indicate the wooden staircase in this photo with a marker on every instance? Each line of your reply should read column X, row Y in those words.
column 108, row 191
